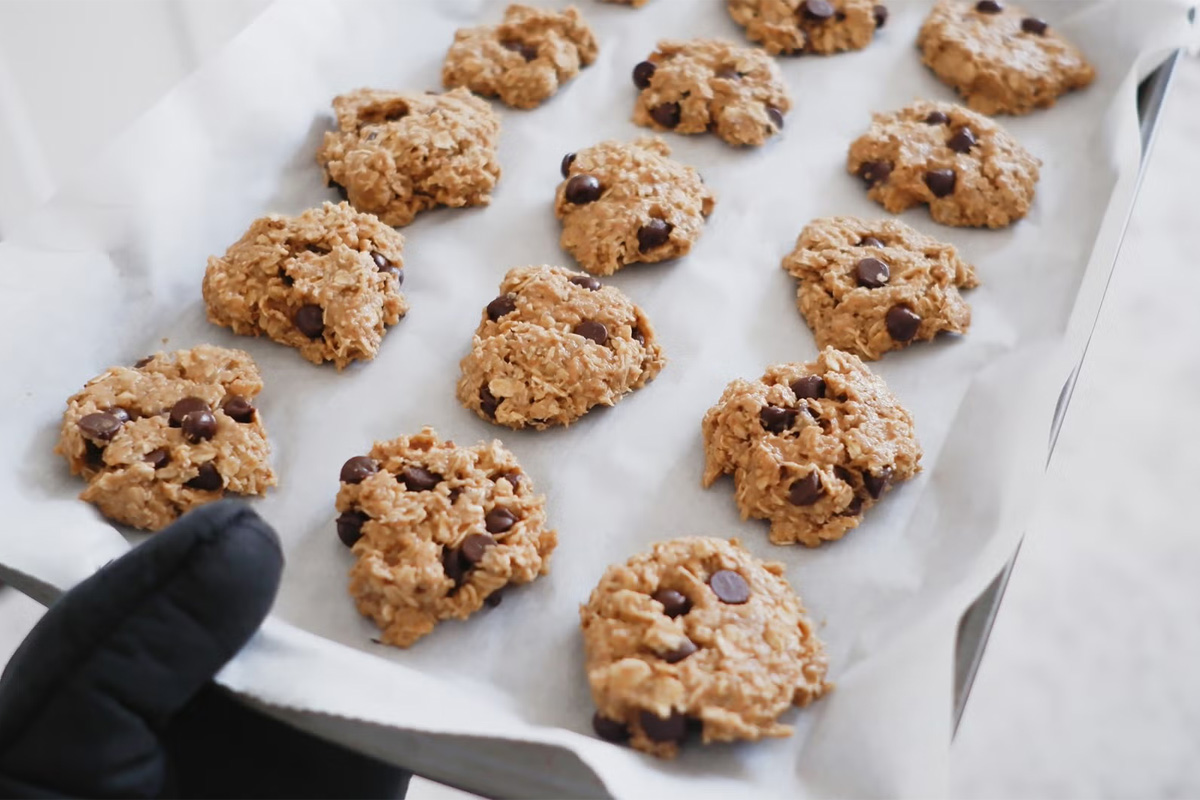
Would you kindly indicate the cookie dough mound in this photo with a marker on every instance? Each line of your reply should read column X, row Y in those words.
column 554, row 344
column 707, row 85
column 969, row 170
column 326, row 282
column 626, row 203
column 999, row 58
column 438, row 531
column 698, row 633
column 176, row 431
column 395, row 154
column 810, row 446
column 791, row 27
column 524, row 59
column 871, row 287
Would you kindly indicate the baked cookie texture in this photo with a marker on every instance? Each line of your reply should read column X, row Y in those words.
column 553, row 345
column 810, row 446
column 792, row 27
column 622, row 204
column 396, row 154
column 437, row 531
column 698, row 634
column 173, row 432
column 708, row 85
column 326, row 282
column 1000, row 59
column 870, row 287
column 967, row 168
column 523, row 60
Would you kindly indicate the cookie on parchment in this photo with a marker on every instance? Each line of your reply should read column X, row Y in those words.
column 968, row 169
column 173, row 432
column 438, row 531
column 326, row 282
column 709, row 85
column 810, row 446
column 791, row 27
column 999, row 58
column 625, row 203
column 523, row 60
column 396, row 154
column 698, row 636
column 553, row 345
column 870, row 287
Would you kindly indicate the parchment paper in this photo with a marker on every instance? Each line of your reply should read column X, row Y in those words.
column 110, row 270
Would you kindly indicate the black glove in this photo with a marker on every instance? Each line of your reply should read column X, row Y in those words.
column 111, row 694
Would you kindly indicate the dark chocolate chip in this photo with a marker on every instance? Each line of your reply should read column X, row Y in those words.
column 902, row 323
column 288, row 280
column 504, row 304
column 989, row 7
column 654, row 233
column 528, row 51
column 872, row 273
column 941, row 182
column 642, row 73
column 495, row 598
column 310, row 320
column 639, row 337
column 672, row 729
column 807, row 490
column 474, row 546
column 667, row 114
column 816, row 10
column 121, row 415
column 382, row 263
column 488, row 402
column 582, row 189
column 875, row 172
column 1034, row 25
column 875, row 484
column 418, row 479
column 158, row 458
column 499, row 520
column 881, row 16
column 591, row 329
column 567, row 161
column 239, row 409
column 93, row 454
column 207, row 479
column 870, row 241
column 775, row 419
column 776, row 116
column 845, row 474
column 674, row 603
column 316, row 248
column 937, row 118
column 455, row 493
column 199, row 426
column 729, row 587
column 101, row 426
column 609, row 729
column 685, row 649
column 349, row 527
column 141, row 362
column 586, row 281
column 963, row 141
column 453, row 565
column 184, row 407
column 513, row 478
column 357, row 469
column 809, row 386
column 853, row 508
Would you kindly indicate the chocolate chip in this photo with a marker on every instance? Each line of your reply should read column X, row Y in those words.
column 158, row 458
column 591, row 329
column 499, row 520
column 100, row 425
column 989, row 7
column 672, row 729
column 316, row 248
column 729, row 74
column 872, row 273
column 775, row 419
column 642, row 73
column 349, row 527
column 667, row 114
column 453, row 565
column 141, row 362
column 528, row 51
column 639, row 337
column 881, row 16
column 807, row 490
column 776, row 116
column 288, row 280
column 207, row 479
column 870, row 241
column 504, row 304
column 902, row 323
column 474, row 546
column 357, row 469
column 184, row 407
column 729, row 587
column 567, row 161
column 239, row 409
column 488, row 402
column 845, row 474
column 941, row 181
column 809, row 386
column 1034, row 25
column 384, row 265
column 495, row 598
column 937, row 118
column 875, row 172
column 199, row 426
column 513, row 478
column 674, row 603
column 817, row 10
column 120, row 414
column 685, row 649
column 418, row 479
column 310, row 320
column 582, row 189
column 854, row 508
column 609, row 729
column 586, row 281
column 654, row 233
column 455, row 493
column 93, row 454
column 875, row 484
column 963, row 141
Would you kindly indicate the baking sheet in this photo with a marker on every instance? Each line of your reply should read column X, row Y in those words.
column 110, row 270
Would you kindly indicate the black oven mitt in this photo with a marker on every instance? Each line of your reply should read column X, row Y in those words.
column 111, row 694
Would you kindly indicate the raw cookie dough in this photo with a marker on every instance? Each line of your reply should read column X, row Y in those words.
column 398, row 153
column 698, row 634
column 810, row 446
column 524, row 59
column 624, row 203
column 968, row 169
column 791, row 27
column 999, row 58
column 326, row 282
column 173, row 432
column 437, row 531
column 871, row 287
column 553, row 344
column 708, row 85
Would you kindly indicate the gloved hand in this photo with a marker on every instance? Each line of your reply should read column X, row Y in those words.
column 111, row 694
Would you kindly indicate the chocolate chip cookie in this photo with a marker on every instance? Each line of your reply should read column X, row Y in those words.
column 554, row 344
column 396, row 154
column 326, row 282
column 707, row 85
column 1001, row 59
column 626, row 203
column 698, row 636
column 871, row 287
column 791, row 27
column 810, row 446
column 968, row 169
column 524, row 59
column 438, row 531
column 175, row 431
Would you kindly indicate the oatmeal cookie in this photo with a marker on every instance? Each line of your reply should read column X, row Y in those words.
column 791, row 27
